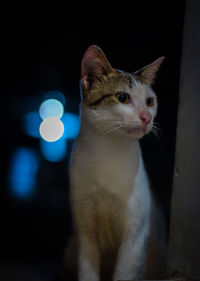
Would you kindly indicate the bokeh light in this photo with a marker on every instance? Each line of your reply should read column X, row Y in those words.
column 51, row 129
column 51, row 108
column 31, row 124
column 54, row 151
column 53, row 126
column 72, row 125
column 23, row 171
column 54, row 94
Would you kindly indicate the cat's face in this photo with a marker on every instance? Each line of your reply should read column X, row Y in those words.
column 116, row 102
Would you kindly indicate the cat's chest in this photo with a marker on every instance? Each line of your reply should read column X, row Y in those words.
column 113, row 166
column 108, row 167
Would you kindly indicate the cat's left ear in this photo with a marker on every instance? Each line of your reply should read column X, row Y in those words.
column 147, row 74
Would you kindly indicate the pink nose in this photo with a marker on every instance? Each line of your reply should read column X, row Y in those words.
column 146, row 117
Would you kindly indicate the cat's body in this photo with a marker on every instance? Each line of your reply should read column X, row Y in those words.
column 114, row 212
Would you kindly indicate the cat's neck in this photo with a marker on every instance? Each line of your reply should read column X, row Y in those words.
column 115, row 160
column 109, row 150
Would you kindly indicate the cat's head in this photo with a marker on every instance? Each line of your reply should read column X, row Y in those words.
column 116, row 102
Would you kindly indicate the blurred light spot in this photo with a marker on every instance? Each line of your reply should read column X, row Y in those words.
column 54, row 95
column 51, row 129
column 51, row 108
column 23, row 172
column 52, row 125
column 32, row 123
column 54, row 151
column 72, row 125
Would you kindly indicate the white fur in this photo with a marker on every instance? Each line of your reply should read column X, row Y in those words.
column 132, row 250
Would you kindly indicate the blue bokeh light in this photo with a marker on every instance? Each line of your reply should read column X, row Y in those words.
column 72, row 125
column 23, row 171
column 51, row 108
column 54, row 94
column 32, row 122
column 54, row 151
column 54, row 143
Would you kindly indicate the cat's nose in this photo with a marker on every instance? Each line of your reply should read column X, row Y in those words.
column 145, row 117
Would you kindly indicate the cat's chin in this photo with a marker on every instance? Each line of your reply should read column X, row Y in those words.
column 136, row 132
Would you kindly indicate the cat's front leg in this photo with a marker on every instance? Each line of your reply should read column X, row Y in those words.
column 89, row 260
column 131, row 257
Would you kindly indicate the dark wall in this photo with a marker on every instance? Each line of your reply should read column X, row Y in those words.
column 184, row 245
column 43, row 47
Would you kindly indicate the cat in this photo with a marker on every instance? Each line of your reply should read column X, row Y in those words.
column 119, row 233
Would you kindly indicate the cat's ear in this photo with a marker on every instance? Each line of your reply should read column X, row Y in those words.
column 94, row 65
column 147, row 74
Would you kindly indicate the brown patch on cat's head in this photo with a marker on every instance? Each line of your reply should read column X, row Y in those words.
column 99, row 81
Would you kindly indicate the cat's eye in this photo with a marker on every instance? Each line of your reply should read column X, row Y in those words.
column 123, row 97
column 150, row 101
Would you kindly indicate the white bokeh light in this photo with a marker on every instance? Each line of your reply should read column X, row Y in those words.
column 51, row 129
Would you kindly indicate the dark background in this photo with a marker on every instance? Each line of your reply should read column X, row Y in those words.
column 42, row 50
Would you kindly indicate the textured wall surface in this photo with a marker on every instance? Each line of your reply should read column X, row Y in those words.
column 184, row 245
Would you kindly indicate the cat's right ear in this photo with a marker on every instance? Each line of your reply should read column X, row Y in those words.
column 94, row 66
column 147, row 74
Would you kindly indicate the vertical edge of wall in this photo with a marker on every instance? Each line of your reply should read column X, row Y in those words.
column 184, row 240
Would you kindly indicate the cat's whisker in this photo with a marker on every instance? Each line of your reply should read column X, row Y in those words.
column 104, row 129
column 116, row 125
column 157, row 129
column 111, row 130
column 110, row 118
column 157, row 132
